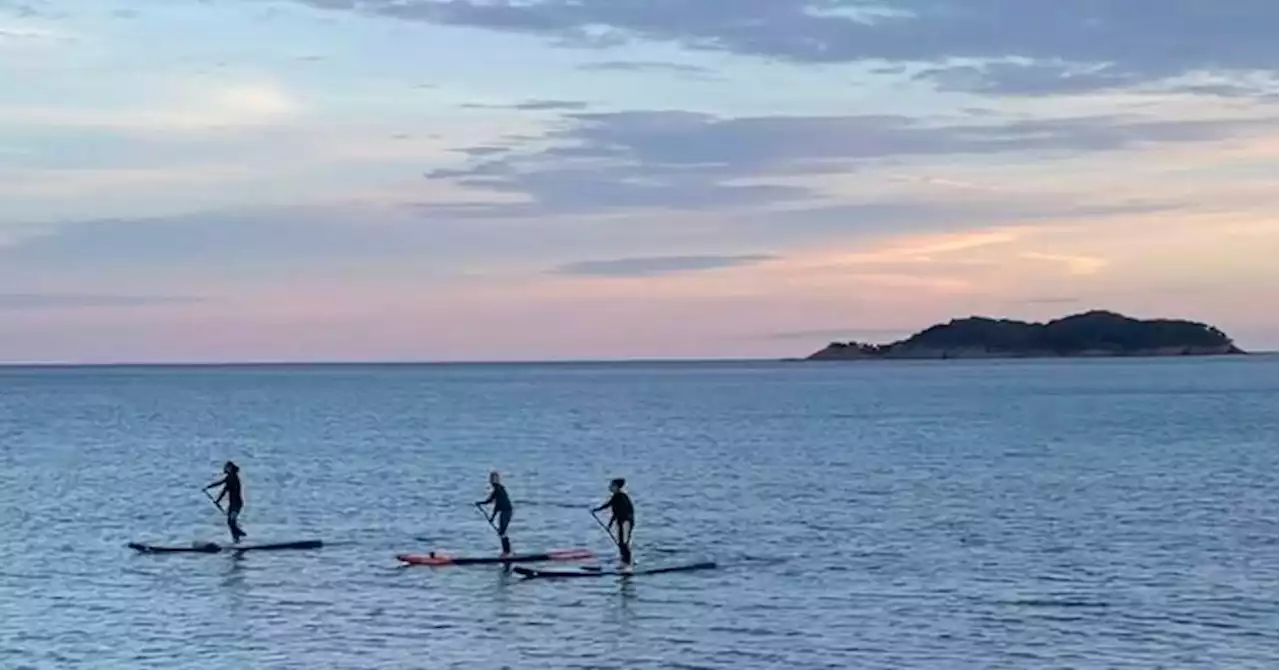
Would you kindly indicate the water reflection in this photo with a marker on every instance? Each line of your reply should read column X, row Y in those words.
column 234, row 575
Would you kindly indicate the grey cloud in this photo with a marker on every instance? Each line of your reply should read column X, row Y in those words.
column 26, row 301
column 1036, row 79
column 1133, row 39
column 1003, row 78
column 29, row 9
column 686, row 160
column 534, row 106
column 548, row 105
column 649, row 66
column 657, row 265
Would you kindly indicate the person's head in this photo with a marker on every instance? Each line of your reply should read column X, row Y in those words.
column 617, row 484
column 230, row 468
column 494, row 477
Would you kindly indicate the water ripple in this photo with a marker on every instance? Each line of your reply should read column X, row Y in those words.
column 1117, row 514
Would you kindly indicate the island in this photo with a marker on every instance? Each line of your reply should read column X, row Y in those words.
column 1096, row 333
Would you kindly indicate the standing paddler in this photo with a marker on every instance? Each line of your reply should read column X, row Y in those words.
column 623, row 518
column 231, row 490
column 501, row 510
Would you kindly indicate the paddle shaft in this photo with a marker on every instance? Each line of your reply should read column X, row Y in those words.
column 604, row 527
column 487, row 518
column 213, row 500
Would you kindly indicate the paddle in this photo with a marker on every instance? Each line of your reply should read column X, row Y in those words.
column 487, row 519
column 604, row 527
column 213, row 500
column 630, row 540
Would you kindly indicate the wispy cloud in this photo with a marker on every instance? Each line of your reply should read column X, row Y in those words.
column 28, row 301
column 26, row 34
column 657, row 265
column 1048, row 300
column 533, row 105
column 659, row 67
column 188, row 107
column 1076, row 265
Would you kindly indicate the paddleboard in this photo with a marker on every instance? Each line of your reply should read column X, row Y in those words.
column 440, row 559
column 532, row 573
column 214, row 547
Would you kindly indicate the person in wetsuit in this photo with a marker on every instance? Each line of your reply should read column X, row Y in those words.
column 624, row 518
column 231, row 490
column 501, row 510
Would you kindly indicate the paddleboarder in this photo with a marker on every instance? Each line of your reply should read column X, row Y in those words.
column 231, row 490
column 624, row 518
column 501, row 510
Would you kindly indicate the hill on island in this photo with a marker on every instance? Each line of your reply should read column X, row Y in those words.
column 1095, row 333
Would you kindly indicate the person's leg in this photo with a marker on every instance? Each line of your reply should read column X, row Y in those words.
column 504, row 520
column 233, row 523
column 624, row 540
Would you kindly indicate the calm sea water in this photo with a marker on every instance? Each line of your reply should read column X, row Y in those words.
column 1093, row 514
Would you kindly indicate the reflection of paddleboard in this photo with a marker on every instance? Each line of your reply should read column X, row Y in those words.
column 213, row 547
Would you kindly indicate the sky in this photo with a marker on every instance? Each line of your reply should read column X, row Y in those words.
column 453, row 180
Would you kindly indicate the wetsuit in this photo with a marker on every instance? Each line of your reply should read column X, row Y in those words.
column 235, row 502
column 624, row 517
column 502, row 510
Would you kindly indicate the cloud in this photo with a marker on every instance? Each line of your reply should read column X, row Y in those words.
column 693, row 71
column 263, row 238
column 842, row 334
column 27, row 9
column 673, row 159
column 533, row 105
column 184, row 107
column 17, row 35
column 1006, row 78
column 1049, row 300
column 1076, row 265
column 28, row 301
column 1134, row 40
column 657, row 265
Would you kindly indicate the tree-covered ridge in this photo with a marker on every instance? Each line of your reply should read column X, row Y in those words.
column 1097, row 333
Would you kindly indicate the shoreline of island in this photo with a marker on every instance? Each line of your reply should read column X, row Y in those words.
column 1093, row 334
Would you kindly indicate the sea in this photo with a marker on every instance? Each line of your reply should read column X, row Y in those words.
column 1083, row 514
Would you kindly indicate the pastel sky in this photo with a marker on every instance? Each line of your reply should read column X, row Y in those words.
column 259, row 180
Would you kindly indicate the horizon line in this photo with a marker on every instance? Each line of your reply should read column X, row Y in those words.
column 531, row 362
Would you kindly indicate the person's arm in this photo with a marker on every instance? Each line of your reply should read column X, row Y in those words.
column 221, row 494
column 220, row 482
column 492, row 494
column 606, row 504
